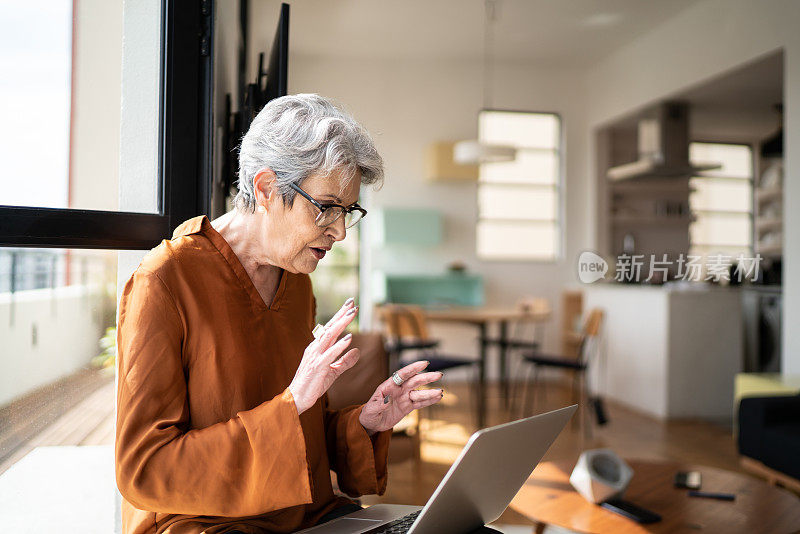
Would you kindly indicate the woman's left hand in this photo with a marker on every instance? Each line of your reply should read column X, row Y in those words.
column 390, row 402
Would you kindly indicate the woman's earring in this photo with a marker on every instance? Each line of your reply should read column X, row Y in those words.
column 262, row 209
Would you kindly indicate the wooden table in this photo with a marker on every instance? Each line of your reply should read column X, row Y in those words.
column 548, row 498
column 482, row 317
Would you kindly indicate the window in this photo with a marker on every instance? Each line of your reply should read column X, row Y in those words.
column 721, row 201
column 61, row 101
column 57, row 307
column 61, row 218
column 39, row 68
column 519, row 207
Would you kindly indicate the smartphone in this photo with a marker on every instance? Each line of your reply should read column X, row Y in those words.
column 631, row 511
column 688, row 480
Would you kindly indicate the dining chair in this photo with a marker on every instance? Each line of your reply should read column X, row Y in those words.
column 406, row 330
column 527, row 335
column 588, row 345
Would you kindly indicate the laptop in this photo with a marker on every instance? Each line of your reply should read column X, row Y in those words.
column 476, row 490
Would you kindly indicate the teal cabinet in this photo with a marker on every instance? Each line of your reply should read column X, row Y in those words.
column 435, row 290
column 409, row 226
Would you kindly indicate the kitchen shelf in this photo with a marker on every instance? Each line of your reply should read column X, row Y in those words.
column 764, row 224
column 722, row 177
column 651, row 219
column 618, row 188
column 722, row 212
column 770, row 250
column 769, row 193
column 767, row 224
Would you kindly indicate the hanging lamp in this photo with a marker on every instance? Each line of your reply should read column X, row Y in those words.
column 473, row 151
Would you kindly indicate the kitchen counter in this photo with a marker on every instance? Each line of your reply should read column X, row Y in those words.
column 669, row 351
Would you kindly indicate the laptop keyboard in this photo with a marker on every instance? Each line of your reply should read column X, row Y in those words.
column 398, row 526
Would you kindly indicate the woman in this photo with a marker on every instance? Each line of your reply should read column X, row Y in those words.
column 222, row 419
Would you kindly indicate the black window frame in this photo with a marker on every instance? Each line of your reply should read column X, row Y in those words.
column 184, row 158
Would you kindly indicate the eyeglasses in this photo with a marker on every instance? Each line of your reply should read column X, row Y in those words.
column 330, row 213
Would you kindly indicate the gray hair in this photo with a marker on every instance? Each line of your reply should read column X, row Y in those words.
column 299, row 135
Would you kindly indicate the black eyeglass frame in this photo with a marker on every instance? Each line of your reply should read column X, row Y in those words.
column 322, row 207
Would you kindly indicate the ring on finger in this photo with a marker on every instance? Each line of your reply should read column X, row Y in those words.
column 318, row 331
column 397, row 379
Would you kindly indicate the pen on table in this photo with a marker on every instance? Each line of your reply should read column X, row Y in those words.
column 709, row 495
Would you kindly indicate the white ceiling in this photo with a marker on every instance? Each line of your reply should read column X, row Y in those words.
column 563, row 32
column 736, row 106
column 756, row 86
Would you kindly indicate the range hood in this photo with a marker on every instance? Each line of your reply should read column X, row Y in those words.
column 663, row 143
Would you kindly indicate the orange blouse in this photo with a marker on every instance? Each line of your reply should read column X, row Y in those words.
column 208, row 435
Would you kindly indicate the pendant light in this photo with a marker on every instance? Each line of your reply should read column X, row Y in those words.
column 472, row 151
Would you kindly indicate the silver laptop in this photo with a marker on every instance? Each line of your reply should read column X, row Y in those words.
column 478, row 487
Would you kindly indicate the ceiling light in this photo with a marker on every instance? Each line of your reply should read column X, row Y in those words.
column 473, row 152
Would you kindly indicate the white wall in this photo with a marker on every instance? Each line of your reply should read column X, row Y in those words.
column 94, row 173
column 227, row 42
column 704, row 40
column 138, row 163
column 141, row 67
column 410, row 103
column 34, row 351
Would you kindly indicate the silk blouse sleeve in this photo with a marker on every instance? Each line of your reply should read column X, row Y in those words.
column 358, row 459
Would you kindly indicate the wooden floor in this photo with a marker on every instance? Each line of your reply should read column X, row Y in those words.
column 79, row 410
column 76, row 410
column 628, row 433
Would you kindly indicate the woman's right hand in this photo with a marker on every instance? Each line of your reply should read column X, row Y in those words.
column 321, row 364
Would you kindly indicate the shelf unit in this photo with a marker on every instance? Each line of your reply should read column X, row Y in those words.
column 767, row 219
column 768, row 194
column 765, row 224
column 650, row 219
column 646, row 214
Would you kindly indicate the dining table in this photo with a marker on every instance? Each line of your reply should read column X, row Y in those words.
column 482, row 317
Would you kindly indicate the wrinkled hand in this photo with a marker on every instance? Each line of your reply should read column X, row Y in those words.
column 321, row 364
column 390, row 402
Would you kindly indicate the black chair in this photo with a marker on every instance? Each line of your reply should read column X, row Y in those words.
column 406, row 331
column 538, row 360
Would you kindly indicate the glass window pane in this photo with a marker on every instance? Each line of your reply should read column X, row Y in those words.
column 513, row 194
column 736, row 160
column 531, row 130
column 516, row 240
column 57, row 357
column 722, row 200
column 721, row 229
column 60, row 98
column 517, row 202
column 528, row 167
column 721, row 195
column 712, row 250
